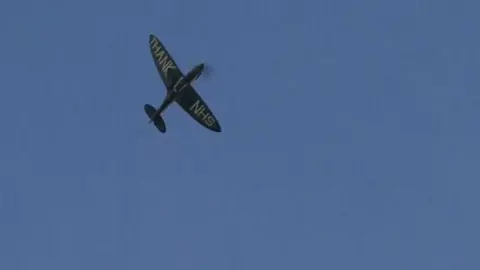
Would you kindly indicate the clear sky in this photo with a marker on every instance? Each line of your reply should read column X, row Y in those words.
column 350, row 136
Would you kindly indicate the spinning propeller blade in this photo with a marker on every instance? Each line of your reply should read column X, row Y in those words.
column 208, row 71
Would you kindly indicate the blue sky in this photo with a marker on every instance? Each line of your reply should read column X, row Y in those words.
column 350, row 136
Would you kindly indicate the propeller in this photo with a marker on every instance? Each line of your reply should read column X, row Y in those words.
column 207, row 71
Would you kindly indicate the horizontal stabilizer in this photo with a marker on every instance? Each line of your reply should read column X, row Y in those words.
column 158, row 121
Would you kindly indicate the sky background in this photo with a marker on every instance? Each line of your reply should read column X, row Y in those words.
column 350, row 136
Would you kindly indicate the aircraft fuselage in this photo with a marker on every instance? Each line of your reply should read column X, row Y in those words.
column 191, row 76
column 174, row 92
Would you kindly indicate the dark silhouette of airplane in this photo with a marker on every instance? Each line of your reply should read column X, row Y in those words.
column 179, row 89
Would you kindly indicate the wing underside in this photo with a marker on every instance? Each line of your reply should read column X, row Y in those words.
column 194, row 105
column 166, row 66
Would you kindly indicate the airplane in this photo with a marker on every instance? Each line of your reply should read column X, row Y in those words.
column 179, row 90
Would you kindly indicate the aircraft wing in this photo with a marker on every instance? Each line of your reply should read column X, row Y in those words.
column 194, row 105
column 166, row 66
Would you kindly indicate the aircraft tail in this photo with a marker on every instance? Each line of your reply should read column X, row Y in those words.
column 158, row 120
